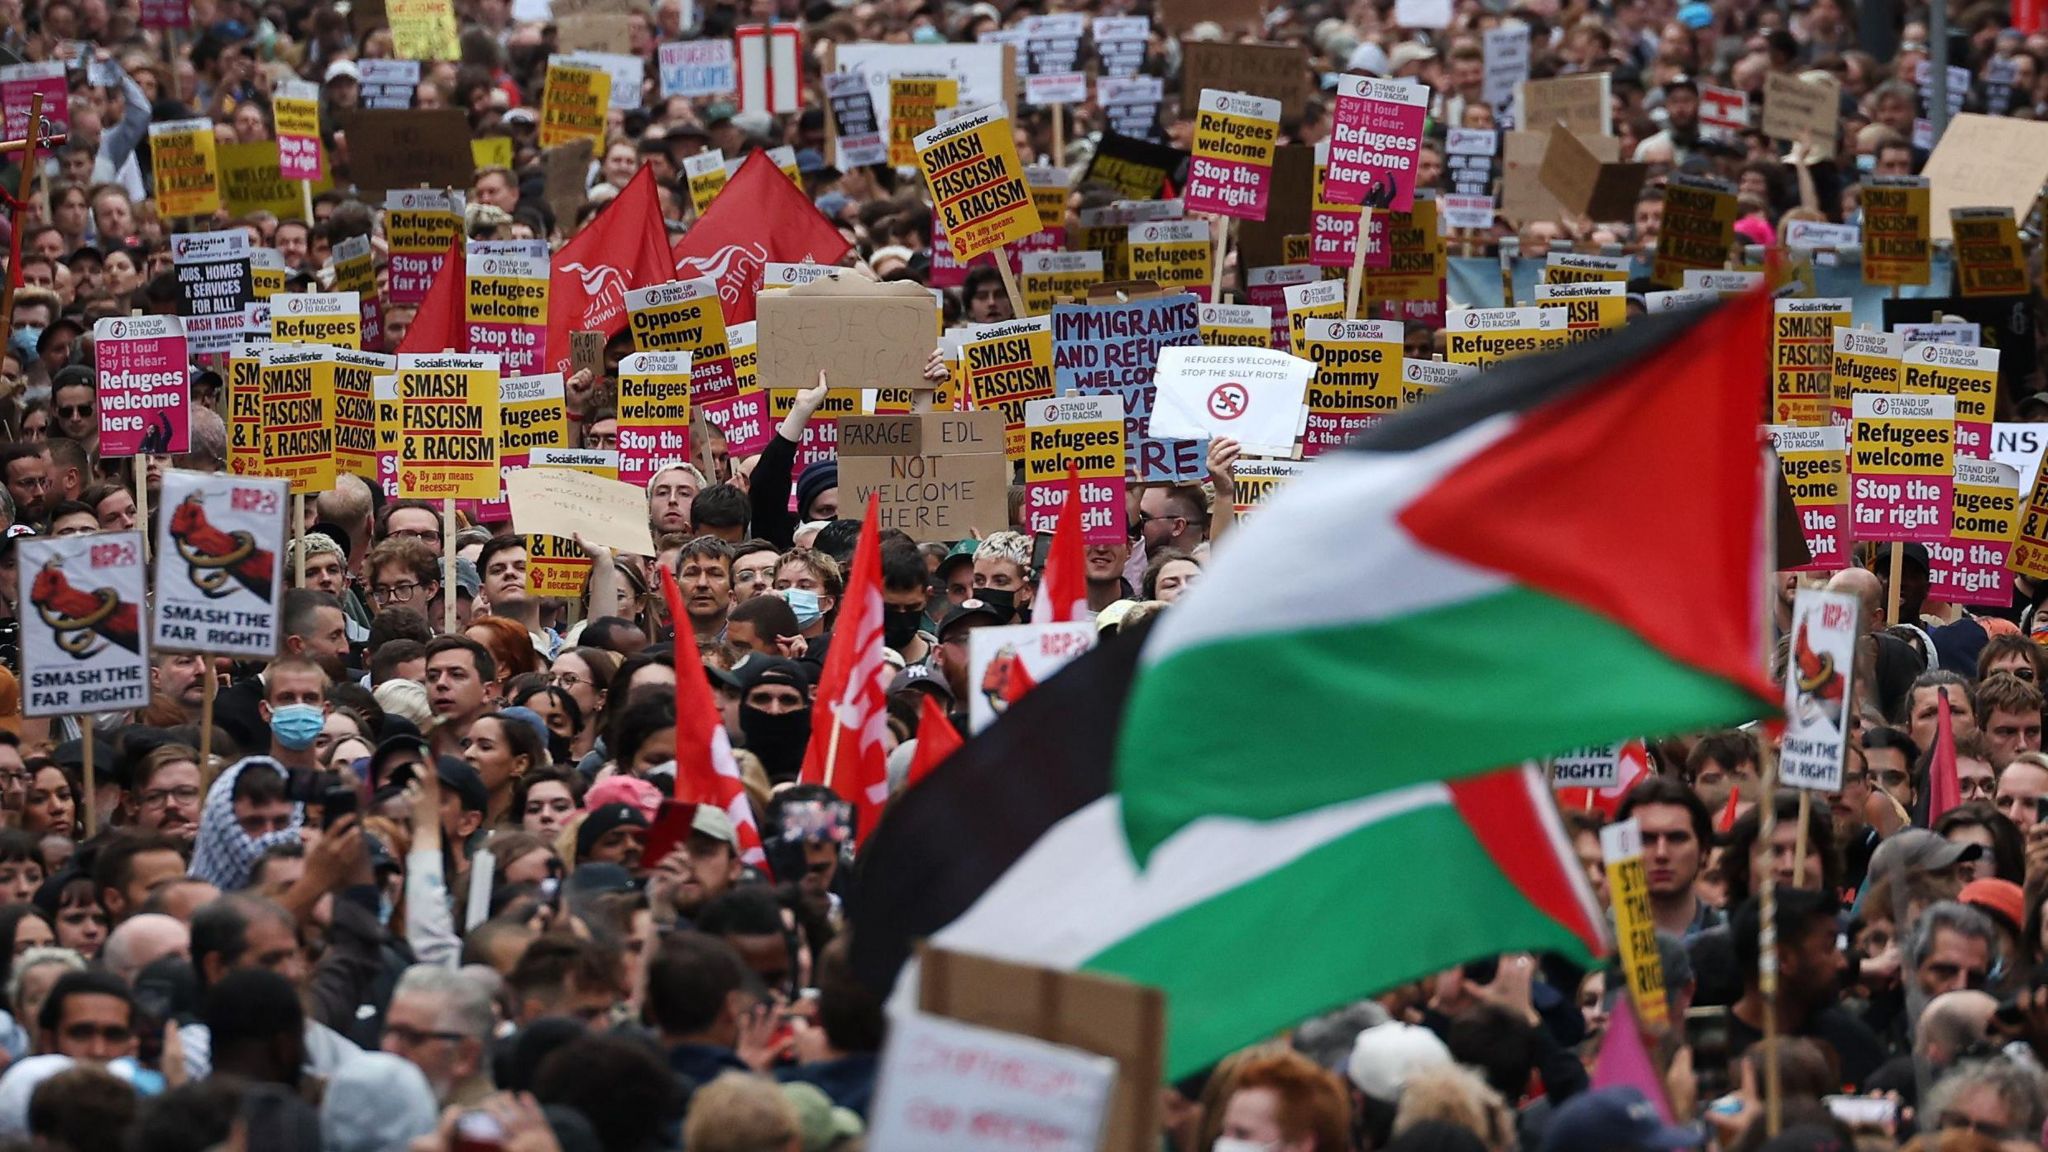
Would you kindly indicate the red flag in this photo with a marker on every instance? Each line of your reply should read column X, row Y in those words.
column 936, row 740
column 1944, row 790
column 438, row 325
column 759, row 218
column 1634, row 768
column 1732, row 812
column 624, row 246
column 1063, row 589
column 705, row 770
column 849, row 716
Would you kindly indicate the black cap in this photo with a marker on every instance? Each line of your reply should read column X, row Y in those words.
column 86, row 252
column 1915, row 554
column 757, row 670
column 467, row 782
column 601, row 821
column 71, row 376
column 973, row 610
column 391, row 748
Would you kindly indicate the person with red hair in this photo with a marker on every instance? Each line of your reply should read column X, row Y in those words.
column 1283, row 1102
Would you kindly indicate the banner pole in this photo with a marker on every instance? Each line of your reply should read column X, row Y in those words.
column 209, row 682
column 142, row 501
column 1010, row 281
column 1355, row 282
column 92, row 807
column 299, row 539
column 1799, row 850
column 1767, row 826
column 832, row 754
column 306, row 200
column 1891, row 591
column 1222, row 254
column 448, row 564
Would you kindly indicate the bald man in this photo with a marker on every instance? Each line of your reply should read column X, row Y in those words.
column 1885, row 664
column 142, row 940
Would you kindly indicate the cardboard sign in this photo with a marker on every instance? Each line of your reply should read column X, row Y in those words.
column 1081, row 436
column 423, row 29
column 1968, row 374
column 1583, row 185
column 448, row 426
column 940, row 476
column 145, row 400
column 859, row 333
column 951, row 1087
column 1902, row 467
column 1801, row 111
column 1009, row 364
column 1864, row 362
column 187, row 170
column 1023, row 656
column 297, row 431
column 1635, row 925
column 1815, row 466
column 1986, row 161
column 1825, row 628
column 1988, row 255
column 1232, row 170
column 914, row 106
column 1698, row 228
column 426, row 147
column 856, row 131
column 83, row 644
column 1357, row 379
column 220, row 549
column 1046, row 278
column 1235, row 17
column 419, row 225
column 977, row 185
column 566, row 502
column 317, row 318
column 1237, row 326
column 696, row 68
column 1251, row 394
column 1896, row 239
column 1582, row 103
column 1970, row 566
column 1803, row 359
column 1375, row 135
column 533, row 414
column 1114, row 348
column 1483, row 337
column 1274, row 71
column 296, row 107
column 654, row 413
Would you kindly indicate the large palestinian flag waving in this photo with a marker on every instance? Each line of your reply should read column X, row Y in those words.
column 1291, row 795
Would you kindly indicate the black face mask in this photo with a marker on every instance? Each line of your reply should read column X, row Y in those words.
column 899, row 626
column 778, row 739
column 1001, row 599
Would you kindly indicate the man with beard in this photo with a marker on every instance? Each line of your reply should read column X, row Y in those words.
column 775, row 713
column 702, row 868
column 1681, row 132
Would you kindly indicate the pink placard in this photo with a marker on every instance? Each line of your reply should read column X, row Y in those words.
column 298, row 157
column 1375, row 134
column 1102, row 509
column 1969, row 572
column 145, row 395
column 1915, row 509
column 744, row 420
column 18, row 89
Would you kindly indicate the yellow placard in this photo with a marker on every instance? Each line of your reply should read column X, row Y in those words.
column 1583, row 268
column 914, row 105
column 1989, row 258
column 266, row 280
column 1803, row 360
column 1049, row 190
column 1815, row 465
column 1968, row 374
column 706, row 174
column 2030, row 555
column 244, row 387
column 1698, row 229
column 573, row 104
column 317, row 318
column 423, row 29
column 976, row 182
column 490, row 152
column 297, row 437
column 187, row 169
column 1635, row 926
column 1902, row 435
column 1863, row 362
column 1236, row 326
column 419, row 227
column 1485, row 336
column 448, row 420
column 533, row 414
column 1316, row 300
column 1357, row 382
column 1897, row 248
column 685, row 316
column 1417, row 261
column 1173, row 254
column 1092, row 449
column 746, row 356
column 355, row 410
column 250, row 183
column 654, row 413
column 1049, row 277
column 1008, row 365
column 1592, row 308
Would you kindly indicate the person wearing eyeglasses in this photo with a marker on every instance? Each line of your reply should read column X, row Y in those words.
column 441, row 1020
column 1997, row 1098
column 404, row 573
column 88, row 1016
column 415, row 520
column 76, row 404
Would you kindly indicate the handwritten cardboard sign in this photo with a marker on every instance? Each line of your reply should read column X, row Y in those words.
column 860, row 333
column 1275, row 71
column 566, row 502
column 936, row 475
column 394, row 148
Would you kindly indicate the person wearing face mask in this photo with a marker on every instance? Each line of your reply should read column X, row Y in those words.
column 1003, row 579
column 1284, row 1103
column 295, row 706
column 903, row 600
column 775, row 713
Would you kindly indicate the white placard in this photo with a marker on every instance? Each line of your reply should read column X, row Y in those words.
column 946, row 1086
column 1595, row 766
column 220, row 564
column 83, row 647
column 1253, row 395
column 1026, row 654
column 1817, row 689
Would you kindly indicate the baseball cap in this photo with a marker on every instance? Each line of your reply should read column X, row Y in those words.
column 973, row 610
column 1369, row 58
column 2002, row 899
column 1915, row 554
column 2040, row 398
column 1618, row 1119
column 526, row 116
column 343, row 70
column 921, row 676
column 713, row 821
column 1919, row 850
column 1385, row 1056
column 1409, row 53
column 1695, row 15
column 467, row 582
column 457, row 775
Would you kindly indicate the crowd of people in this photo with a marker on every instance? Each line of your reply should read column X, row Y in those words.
column 408, row 885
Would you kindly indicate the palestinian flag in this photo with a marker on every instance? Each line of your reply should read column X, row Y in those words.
column 1289, row 797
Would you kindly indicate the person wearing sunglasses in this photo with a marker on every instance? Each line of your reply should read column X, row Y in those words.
column 88, row 1016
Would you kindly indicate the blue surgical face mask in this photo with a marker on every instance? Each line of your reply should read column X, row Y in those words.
column 23, row 341
column 296, row 725
column 1866, row 162
column 927, row 34
column 804, row 603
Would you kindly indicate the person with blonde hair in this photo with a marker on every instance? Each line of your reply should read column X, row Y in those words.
column 739, row 1112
